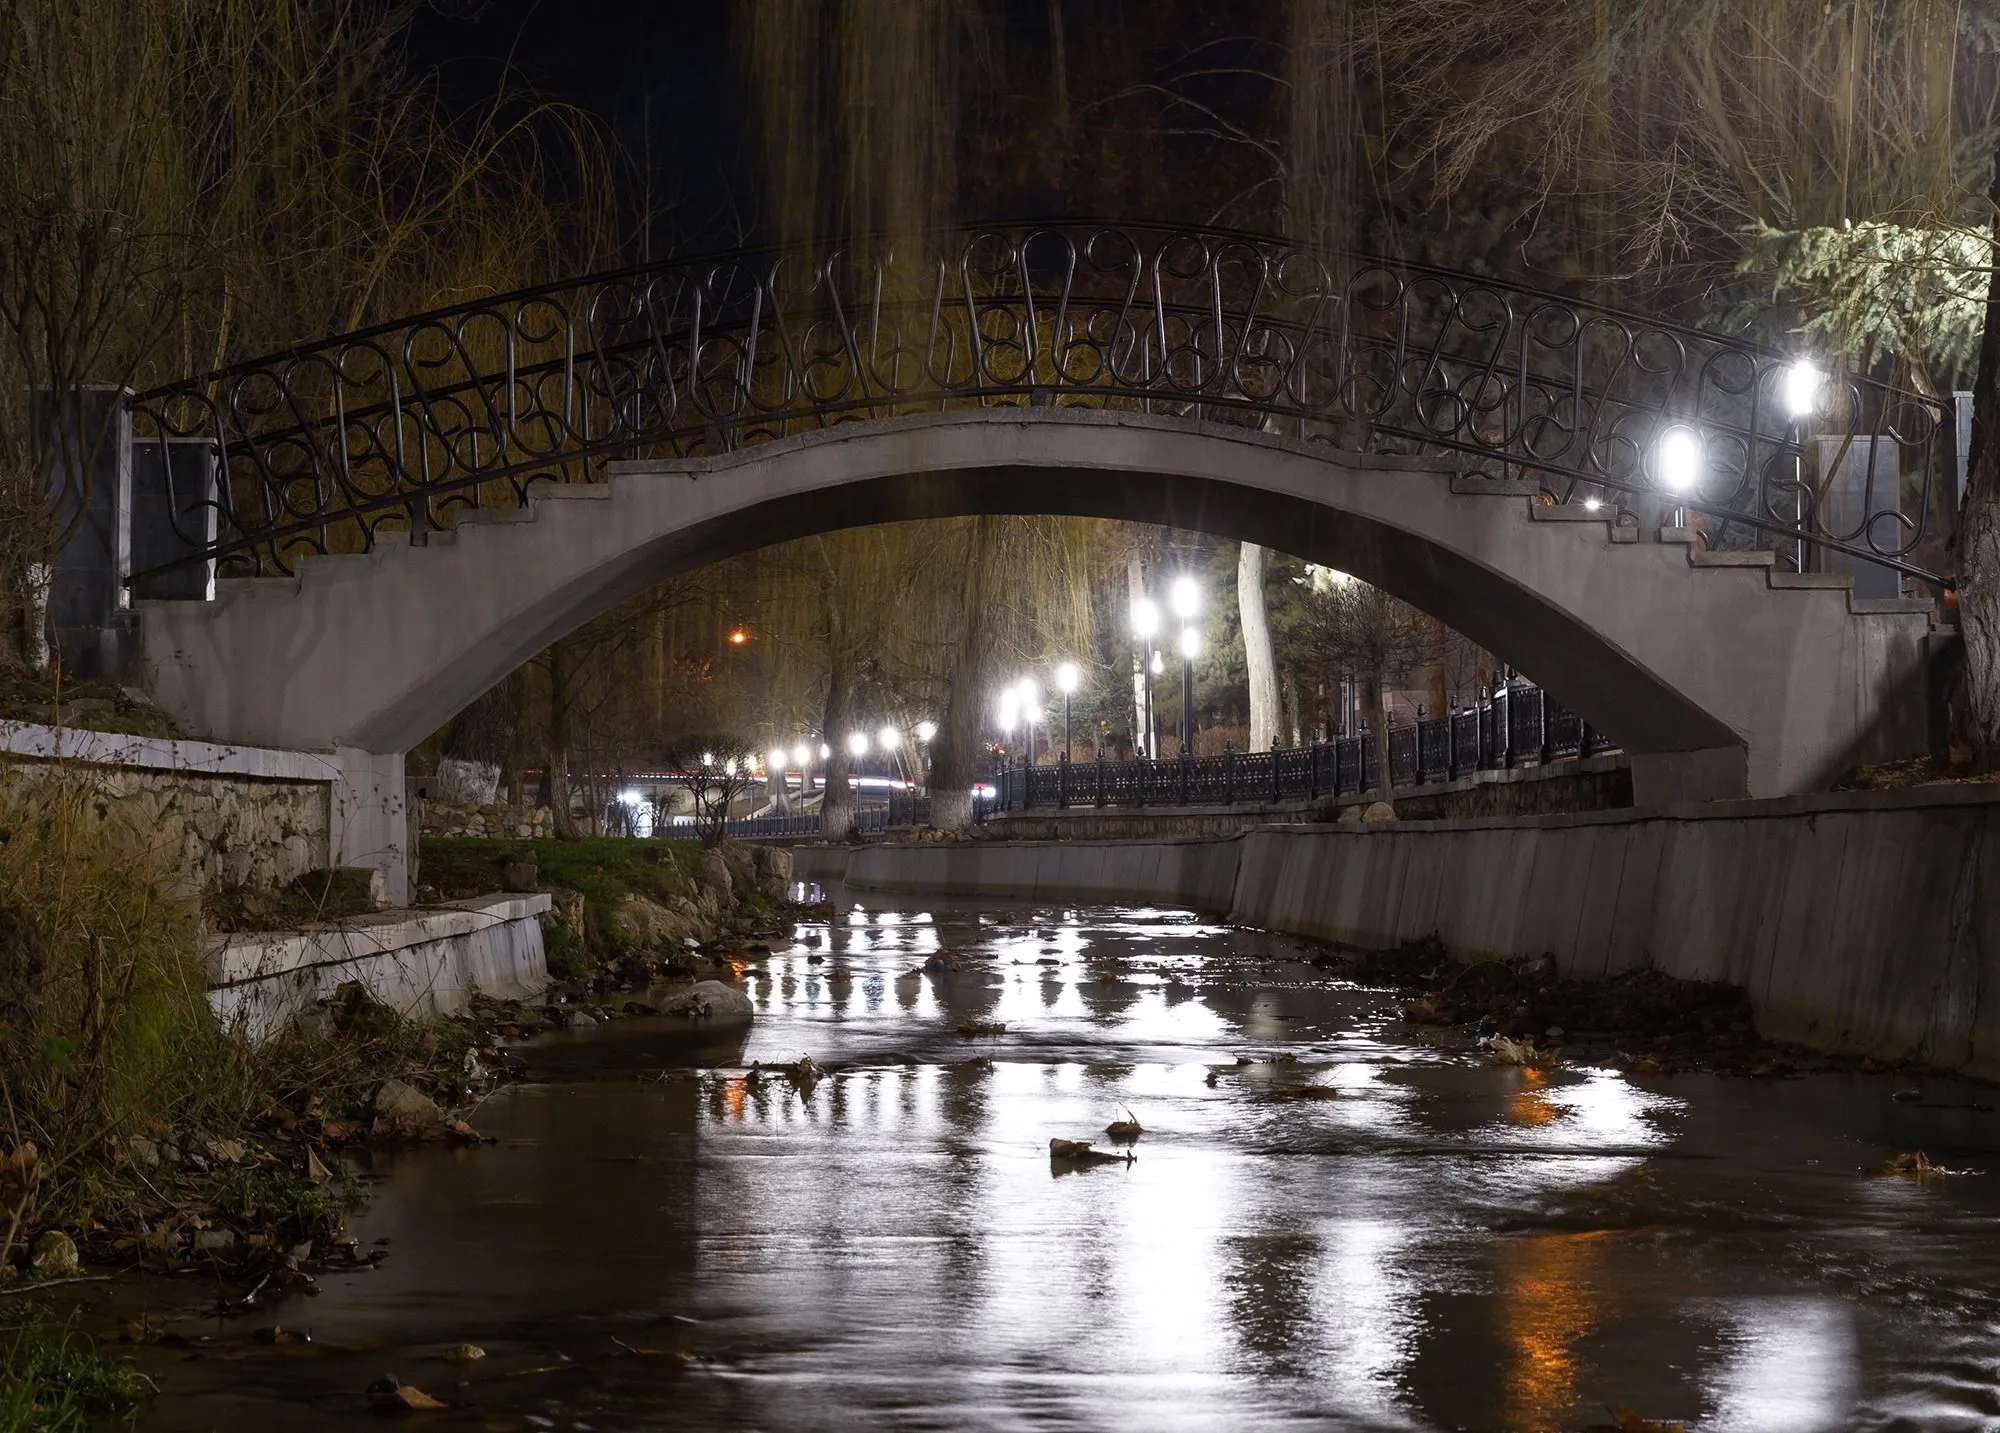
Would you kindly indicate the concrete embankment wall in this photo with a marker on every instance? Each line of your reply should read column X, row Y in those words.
column 419, row 962
column 1861, row 922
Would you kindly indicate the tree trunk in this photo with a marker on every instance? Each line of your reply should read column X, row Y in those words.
column 560, row 675
column 1978, row 537
column 1257, row 646
column 954, row 748
column 836, row 808
column 1375, row 711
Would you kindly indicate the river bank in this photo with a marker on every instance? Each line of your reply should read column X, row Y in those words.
column 140, row 1134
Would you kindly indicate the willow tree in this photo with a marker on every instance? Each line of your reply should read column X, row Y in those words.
column 188, row 182
column 1824, row 161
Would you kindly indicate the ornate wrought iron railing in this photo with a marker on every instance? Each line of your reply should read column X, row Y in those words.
column 1519, row 725
column 324, row 447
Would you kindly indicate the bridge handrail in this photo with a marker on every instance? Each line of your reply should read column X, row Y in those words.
column 323, row 446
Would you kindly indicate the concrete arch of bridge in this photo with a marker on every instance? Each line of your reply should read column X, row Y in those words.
column 1715, row 683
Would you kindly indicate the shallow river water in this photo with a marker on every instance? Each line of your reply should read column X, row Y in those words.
column 657, row 1242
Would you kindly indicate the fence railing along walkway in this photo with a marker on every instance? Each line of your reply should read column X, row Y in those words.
column 1518, row 726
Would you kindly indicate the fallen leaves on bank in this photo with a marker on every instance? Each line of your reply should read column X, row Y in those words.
column 983, row 1027
column 1522, row 1052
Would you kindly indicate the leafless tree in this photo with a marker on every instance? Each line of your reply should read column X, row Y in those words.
column 714, row 770
column 1353, row 629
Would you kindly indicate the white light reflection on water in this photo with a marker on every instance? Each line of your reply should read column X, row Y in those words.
column 1789, row 1366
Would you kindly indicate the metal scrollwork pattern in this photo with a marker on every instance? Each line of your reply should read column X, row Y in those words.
column 399, row 427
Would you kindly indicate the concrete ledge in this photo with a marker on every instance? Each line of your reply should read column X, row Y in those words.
column 419, row 962
column 152, row 753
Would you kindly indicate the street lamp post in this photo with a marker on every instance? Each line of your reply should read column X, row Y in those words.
column 1801, row 385
column 1031, row 712
column 1145, row 623
column 1190, row 649
column 1067, row 677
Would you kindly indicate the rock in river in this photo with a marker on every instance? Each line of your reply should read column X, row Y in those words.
column 712, row 999
column 405, row 1113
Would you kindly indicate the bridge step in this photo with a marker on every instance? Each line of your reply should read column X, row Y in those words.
column 1570, row 512
column 1697, row 557
column 1888, row 606
column 1811, row 579
column 479, row 517
column 1494, row 487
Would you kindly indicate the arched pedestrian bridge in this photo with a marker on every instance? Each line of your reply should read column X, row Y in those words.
column 399, row 517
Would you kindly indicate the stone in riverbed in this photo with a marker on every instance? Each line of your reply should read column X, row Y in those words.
column 53, row 1255
column 709, row 999
column 405, row 1113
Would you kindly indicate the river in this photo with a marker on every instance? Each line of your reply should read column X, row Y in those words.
column 1427, row 1241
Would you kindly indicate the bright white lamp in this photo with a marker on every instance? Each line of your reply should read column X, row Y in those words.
column 1190, row 642
column 1801, row 387
column 926, row 730
column 857, row 744
column 1677, row 459
column 1145, row 619
column 802, row 755
column 1186, row 597
column 889, row 737
column 1067, row 677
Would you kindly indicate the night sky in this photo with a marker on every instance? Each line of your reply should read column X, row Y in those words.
column 660, row 73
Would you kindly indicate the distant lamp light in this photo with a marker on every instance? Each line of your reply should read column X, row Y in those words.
column 1067, row 676
column 729, row 767
column 824, row 751
column 1190, row 642
column 708, row 758
column 777, row 759
column 857, row 744
column 1186, row 597
column 1031, row 693
column 889, row 737
column 802, row 756
column 926, row 730
column 1145, row 619
column 1592, row 504
column 1802, row 387
column 1677, row 459
column 630, row 798
column 737, row 637
column 1159, row 664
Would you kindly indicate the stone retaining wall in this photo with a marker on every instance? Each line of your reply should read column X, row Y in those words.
column 215, row 817
column 1865, row 923
column 450, row 818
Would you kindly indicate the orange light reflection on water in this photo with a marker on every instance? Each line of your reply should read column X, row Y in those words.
column 1553, row 1297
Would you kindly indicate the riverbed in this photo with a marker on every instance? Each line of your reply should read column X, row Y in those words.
column 1333, row 1219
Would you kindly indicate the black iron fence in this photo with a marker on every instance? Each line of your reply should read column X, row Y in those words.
column 1519, row 725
